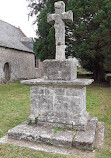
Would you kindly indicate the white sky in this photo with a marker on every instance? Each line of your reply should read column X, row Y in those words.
column 15, row 12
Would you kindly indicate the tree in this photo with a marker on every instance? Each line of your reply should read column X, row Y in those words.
column 92, row 31
column 44, row 46
column 91, row 34
column 35, row 6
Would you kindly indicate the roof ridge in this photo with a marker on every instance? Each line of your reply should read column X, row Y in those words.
column 13, row 37
column 18, row 28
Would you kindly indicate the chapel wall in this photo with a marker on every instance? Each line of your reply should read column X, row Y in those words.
column 21, row 64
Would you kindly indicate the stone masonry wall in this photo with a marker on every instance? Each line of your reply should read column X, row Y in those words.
column 65, row 105
column 21, row 64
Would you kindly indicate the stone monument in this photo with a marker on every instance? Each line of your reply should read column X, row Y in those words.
column 58, row 99
column 59, row 19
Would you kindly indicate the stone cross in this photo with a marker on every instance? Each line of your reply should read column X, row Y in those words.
column 59, row 19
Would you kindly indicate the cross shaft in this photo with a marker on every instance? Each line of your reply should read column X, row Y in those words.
column 59, row 19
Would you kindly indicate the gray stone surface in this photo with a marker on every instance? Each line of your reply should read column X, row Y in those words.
column 61, row 83
column 86, row 140
column 60, row 70
column 59, row 19
column 48, row 148
column 99, row 135
column 59, row 102
column 42, row 134
column 59, row 52
column 12, row 37
column 21, row 64
column 45, row 134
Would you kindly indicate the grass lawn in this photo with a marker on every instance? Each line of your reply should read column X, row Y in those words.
column 81, row 70
column 15, row 108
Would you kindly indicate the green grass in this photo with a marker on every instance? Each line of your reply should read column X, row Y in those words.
column 81, row 70
column 15, row 108
column 99, row 105
column 14, row 105
column 10, row 151
column 58, row 128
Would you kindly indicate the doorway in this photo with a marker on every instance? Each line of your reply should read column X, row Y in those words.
column 7, row 71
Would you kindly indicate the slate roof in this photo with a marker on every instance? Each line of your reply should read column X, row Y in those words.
column 13, row 37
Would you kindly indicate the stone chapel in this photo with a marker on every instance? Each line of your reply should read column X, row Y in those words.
column 17, row 59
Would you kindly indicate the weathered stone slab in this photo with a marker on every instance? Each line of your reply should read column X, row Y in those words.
column 99, row 135
column 60, row 83
column 45, row 134
column 86, row 139
column 48, row 148
column 42, row 134
column 60, row 70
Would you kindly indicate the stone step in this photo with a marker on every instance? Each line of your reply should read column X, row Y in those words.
column 41, row 134
column 85, row 140
column 46, row 135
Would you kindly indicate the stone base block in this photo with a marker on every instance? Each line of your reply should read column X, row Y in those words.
column 60, row 103
column 60, row 70
column 64, row 137
column 65, row 106
column 80, row 127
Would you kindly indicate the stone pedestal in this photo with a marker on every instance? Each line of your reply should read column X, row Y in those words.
column 62, row 103
column 58, row 104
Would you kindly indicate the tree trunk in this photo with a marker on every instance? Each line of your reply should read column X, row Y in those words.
column 98, row 73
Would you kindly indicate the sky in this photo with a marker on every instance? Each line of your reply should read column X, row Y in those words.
column 15, row 12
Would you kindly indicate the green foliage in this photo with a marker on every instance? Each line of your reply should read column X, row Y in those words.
column 58, row 128
column 92, row 23
column 37, row 119
column 34, row 7
column 45, row 47
column 29, row 122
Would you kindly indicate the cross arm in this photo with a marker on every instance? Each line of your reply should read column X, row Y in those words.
column 67, row 16
column 51, row 18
